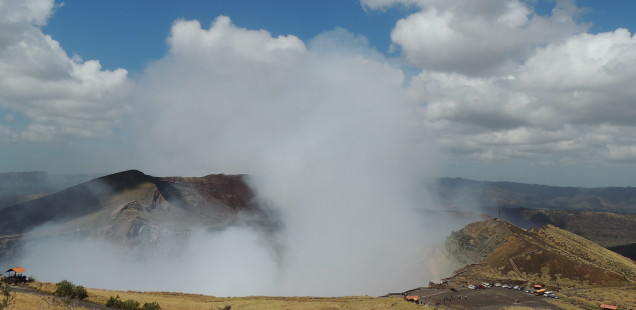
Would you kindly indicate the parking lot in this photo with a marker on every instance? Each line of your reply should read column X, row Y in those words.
column 488, row 298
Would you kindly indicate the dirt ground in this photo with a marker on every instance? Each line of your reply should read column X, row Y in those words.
column 483, row 299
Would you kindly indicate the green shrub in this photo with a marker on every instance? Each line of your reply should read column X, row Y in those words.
column 80, row 292
column 64, row 289
column 114, row 302
column 151, row 306
column 130, row 304
column 117, row 303
column 69, row 290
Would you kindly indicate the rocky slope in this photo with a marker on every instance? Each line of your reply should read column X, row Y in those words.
column 131, row 208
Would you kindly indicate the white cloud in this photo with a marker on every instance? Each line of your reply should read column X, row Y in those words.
column 474, row 37
column 561, row 102
column 61, row 96
column 35, row 12
column 588, row 77
column 501, row 82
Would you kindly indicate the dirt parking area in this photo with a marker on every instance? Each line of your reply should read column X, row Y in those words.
column 483, row 299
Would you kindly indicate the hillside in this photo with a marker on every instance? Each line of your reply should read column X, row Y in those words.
column 132, row 209
column 498, row 251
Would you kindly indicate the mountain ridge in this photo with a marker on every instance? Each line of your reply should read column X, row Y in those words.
column 131, row 208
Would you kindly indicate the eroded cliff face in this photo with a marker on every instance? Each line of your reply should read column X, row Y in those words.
column 470, row 245
column 474, row 242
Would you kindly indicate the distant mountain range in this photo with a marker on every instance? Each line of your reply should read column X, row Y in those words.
column 470, row 194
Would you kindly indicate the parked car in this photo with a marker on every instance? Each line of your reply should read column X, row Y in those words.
column 472, row 287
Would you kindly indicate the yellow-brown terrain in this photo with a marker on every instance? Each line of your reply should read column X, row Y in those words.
column 580, row 270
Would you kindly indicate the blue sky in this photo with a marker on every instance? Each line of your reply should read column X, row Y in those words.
column 528, row 91
column 111, row 30
column 93, row 28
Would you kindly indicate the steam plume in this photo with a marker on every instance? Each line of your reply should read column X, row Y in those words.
column 325, row 132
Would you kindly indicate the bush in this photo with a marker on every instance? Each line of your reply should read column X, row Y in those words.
column 129, row 304
column 64, row 289
column 114, row 302
column 80, row 292
column 70, row 290
column 151, row 306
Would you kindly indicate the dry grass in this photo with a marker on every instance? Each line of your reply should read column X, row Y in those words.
column 182, row 301
column 25, row 301
column 46, row 287
column 177, row 301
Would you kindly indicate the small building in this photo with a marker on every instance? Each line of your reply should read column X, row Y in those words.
column 15, row 271
column 608, row 307
column 17, row 276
